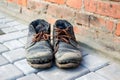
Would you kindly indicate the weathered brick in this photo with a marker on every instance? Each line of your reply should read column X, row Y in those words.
column 60, row 12
column 109, row 9
column 117, row 32
column 36, row 7
column 14, row 44
column 30, row 77
column 77, row 30
column 111, row 72
column 93, row 63
column 3, row 60
column 82, row 19
column 57, row 1
column 91, row 76
column 25, row 67
column 15, row 55
column 90, row 5
column 103, row 8
column 97, row 21
column 109, row 25
column 74, row 3
column 62, row 74
column 51, row 19
column 3, row 48
column 22, row 2
column 9, row 72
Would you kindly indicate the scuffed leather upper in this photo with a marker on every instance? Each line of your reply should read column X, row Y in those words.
column 66, row 51
column 41, row 49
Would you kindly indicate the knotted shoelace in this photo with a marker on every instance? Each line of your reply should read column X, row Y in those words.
column 63, row 35
column 41, row 36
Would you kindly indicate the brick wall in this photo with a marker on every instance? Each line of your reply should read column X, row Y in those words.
column 96, row 20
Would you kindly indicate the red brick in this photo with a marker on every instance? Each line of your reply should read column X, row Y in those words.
column 90, row 5
column 107, row 9
column 109, row 25
column 22, row 2
column 82, row 19
column 37, row 6
column 60, row 12
column 10, row 0
column 77, row 30
column 74, row 3
column 118, row 30
column 57, row 1
column 51, row 20
column 103, row 8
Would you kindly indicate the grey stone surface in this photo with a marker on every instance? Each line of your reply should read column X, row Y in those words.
column 23, row 40
column 30, row 77
column 15, row 55
column 94, row 63
column 21, row 27
column 9, row 72
column 14, row 44
column 25, row 31
column 62, row 74
column 91, row 76
column 111, row 72
column 3, row 60
column 11, row 36
column 9, row 29
column 3, row 48
column 25, row 67
column 12, row 24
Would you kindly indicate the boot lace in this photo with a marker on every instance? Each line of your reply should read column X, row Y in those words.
column 63, row 35
column 41, row 36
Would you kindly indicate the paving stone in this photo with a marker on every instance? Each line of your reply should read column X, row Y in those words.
column 12, row 24
column 7, row 20
column 25, row 31
column 11, row 36
column 111, row 72
column 4, row 21
column 1, row 32
column 91, row 76
column 9, row 29
column 14, row 44
column 9, row 72
column 62, row 74
column 15, row 55
column 30, row 77
column 94, row 63
column 3, row 60
column 25, row 67
column 23, row 40
column 3, row 48
column 2, row 16
column 21, row 27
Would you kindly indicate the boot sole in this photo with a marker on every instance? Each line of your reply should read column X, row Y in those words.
column 41, row 66
column 67, row 65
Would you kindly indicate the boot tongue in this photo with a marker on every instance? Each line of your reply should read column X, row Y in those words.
column 40, row 28
column 60, row 25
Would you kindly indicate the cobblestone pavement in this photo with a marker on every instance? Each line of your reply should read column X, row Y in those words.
column 13, row 65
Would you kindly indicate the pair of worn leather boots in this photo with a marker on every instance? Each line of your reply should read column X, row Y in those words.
column 64, row 51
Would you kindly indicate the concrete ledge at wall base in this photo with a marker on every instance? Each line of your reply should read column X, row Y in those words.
column 90, row 44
